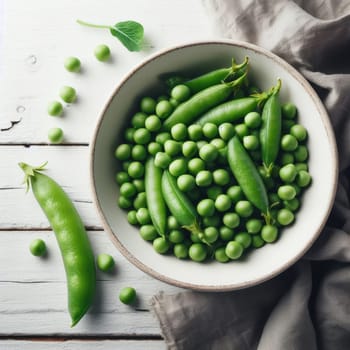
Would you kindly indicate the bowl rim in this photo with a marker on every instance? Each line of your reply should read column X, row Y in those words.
column 324, row 119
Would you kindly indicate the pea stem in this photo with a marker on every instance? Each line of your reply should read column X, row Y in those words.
column 87, row 24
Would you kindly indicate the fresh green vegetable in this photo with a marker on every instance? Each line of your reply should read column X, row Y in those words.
column 37, row 247
column 127, row 295
column 102, row 52
column 105, row 262
column 55, row 135
column 55, row 108
column 129, row 33
column 71, row 236
column 72, row 64
column 68, row 94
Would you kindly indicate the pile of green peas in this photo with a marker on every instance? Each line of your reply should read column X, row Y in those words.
column 227, row 223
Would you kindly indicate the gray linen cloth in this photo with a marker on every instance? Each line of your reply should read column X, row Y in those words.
column 308, row 306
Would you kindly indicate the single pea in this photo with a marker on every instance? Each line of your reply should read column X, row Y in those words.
column 288, row 173
column 55, row 135
column 102, row 52
column 124, row 203
column 289, row 110
column 68, row 94
column 139, row 152
column 292, row 204
column 105, row 262
column 172, row 223
column 136, row 170
column 234, row 250
column 231, row 220
column 162, row 160
column 186, row 182
column 226, row 233
column 153, row 148
column 129, row 134
column 195, row 165
column 138, row 120
column 143, row 216
column 285, row 217
column 220, row 255
column 161, row 245
column 287, row 125
column 72, row 64
column 176, row 236
column 287, row 158
column 289, row 143
column 301, row 166
column 286, row 192
column 123, row 152
column 148, row 232
column 37, row 247
column 148, row 105
column 180, row 93
column 213, row 192
column 303, row 178
column 223, row 202
column 172, row 148
column 195, row 238
column 201, row 143
column 296, row 188
column 179, row 132
column 221, row 177
column 153, row 123
column 235, row 193
column 122, row 177
column 162, row 137
column 197, row 252
column 252, row 120
column 195, row 132
column 55, row 108
column 250, row 142
column 204, row 178
column 127, row 295
column 226, row 131
column 189, row 149
column 125, row 165
column 244, row 238
column 140, row 201
column 178, row 167
column 206, row 207
column 142, row 136
column 128, row 190
column 163, row 109
column 253, row 226
column 208, row 153
column 174, row 102
column 241, row 130
column 210, row 130
column 301, row 153
column 274, row 199
column 211, row 234
column 244, row 208
column 257, row 241
column 299, row 132
column 180, row 251
column 269, row 233
column 132, row 219
column 213, row 220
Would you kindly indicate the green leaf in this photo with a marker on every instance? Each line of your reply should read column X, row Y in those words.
column 130, row 33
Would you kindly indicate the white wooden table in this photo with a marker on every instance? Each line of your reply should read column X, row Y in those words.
column 35, row 37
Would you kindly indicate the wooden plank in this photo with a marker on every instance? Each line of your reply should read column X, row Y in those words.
column 33, row 61
column 33, row 292
column 80, row 345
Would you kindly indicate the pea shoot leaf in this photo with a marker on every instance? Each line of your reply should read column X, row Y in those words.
column 130, row 33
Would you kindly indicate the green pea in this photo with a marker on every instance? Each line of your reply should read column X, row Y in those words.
column 218, row 143
column 68, row 94
column 178, row 167
column 287, row 125
column 138, row 120
column 153, row 123
column 195, row 132
column 163, row 109
column 55, row 135
column 223, row 202
column 287, row 158
column 197, row 252
column 123, row 152
column 213, row 192
column 55, row 108
column 288, row 173
column 180, row 93
column 226, row 233
column 132, row 219
column 289, row 143
column 242, row 130
column 37, row 247
column 303, row 178
column 206, row 207
column 285, row 217
column 136, row 170
column 140, row 201
column 153, row 148
column 301, row 153
column 176, row 236
column 201, row 143
column 226, row 131
column 72, row 64
column 143, row 217
column 148, row 232
column 211, row 234
column 244, row 238
column 124, row 203
column 139, row 184
column 174, row 102
column 139, row 152
column 194, row 238
column 296, row 188
column 253, row 226
column 180, row 251
column 128, row 190
column 234, row 250
column 148, row 105
column 162, row 137
column 250, row 142
column 244, row 209
column 189, row 149
column 213, row 220
column 195, row 165
column 129, row 134
column 179, row 132
column 173, row 224
column 127, row 295
column 122, row 177
column 102, row 52
column 299, row 132
column 142, row 136
column 221, row 177
column 286, row 192
column 231, row 220
column 269, row 233
column 220, row 255
column 204, row 178
column 161, row 245
column 301, row 166
column 208, row 153
column 292, row 204
column 235, row 193
column 252, row 120
column 289, row 110
column 210, row 130
column 125, row 165
column 162, row 160
column 105, row 262
column 257, row 241
column 172, row 148
column 186, row 182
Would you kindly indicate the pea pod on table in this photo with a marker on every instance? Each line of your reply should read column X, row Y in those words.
column 71, row 237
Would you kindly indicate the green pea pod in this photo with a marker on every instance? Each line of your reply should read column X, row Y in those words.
column 270, row 134
column 72, row 239
column 155, row 200
column 247, row 175
column 201, row 102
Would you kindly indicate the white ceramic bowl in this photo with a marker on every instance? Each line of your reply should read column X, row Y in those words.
column 263, row 263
